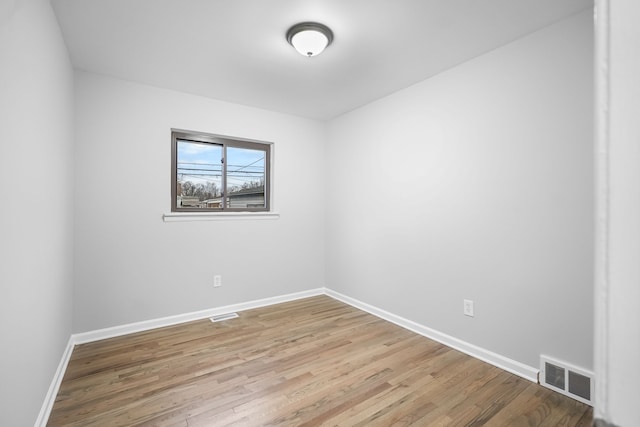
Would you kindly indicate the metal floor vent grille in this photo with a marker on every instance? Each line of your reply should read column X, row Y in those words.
column 567, row 379
column 221, row 317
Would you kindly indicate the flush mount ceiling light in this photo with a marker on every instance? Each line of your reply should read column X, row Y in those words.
column 309, row 38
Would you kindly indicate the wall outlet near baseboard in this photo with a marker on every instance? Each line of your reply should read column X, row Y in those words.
column 217, row 281
column 468, row 308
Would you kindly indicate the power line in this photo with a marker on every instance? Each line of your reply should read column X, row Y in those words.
column 246, row 166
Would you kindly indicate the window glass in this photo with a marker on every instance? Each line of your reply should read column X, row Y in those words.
column 199, row 175
column 245, row 178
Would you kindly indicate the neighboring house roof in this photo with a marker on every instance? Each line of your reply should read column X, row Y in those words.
column 256, row 190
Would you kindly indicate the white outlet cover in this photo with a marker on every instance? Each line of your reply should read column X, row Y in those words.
column 217, row 281
column 468, row 308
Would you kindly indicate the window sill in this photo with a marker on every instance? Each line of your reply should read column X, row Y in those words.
column 217, row 216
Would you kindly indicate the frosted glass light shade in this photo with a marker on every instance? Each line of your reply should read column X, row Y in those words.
column 309, row 38
column 309, row 43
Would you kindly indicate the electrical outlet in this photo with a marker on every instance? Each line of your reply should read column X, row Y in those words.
column 468, row 308
column 217, row 281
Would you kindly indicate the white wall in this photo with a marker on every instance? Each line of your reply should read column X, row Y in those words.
column 36, row 218
column 132, row 266
column 617, row 348
column 476, row 184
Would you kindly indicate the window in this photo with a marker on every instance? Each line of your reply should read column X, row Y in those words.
column 211, row 173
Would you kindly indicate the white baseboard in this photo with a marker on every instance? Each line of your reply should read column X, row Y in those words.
column 146, row 325
column 502, row 362
column 50, row 398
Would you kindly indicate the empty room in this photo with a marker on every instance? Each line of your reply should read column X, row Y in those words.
column 320, row 212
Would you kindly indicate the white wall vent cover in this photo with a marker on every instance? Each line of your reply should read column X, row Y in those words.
column 221, row 317
column 567, row 379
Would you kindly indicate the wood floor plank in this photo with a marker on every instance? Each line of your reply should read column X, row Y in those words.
column 308, row 362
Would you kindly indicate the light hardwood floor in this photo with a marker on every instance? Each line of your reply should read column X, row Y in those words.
column 309, row 362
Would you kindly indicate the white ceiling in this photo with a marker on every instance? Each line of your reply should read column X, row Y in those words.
column 235, row 50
